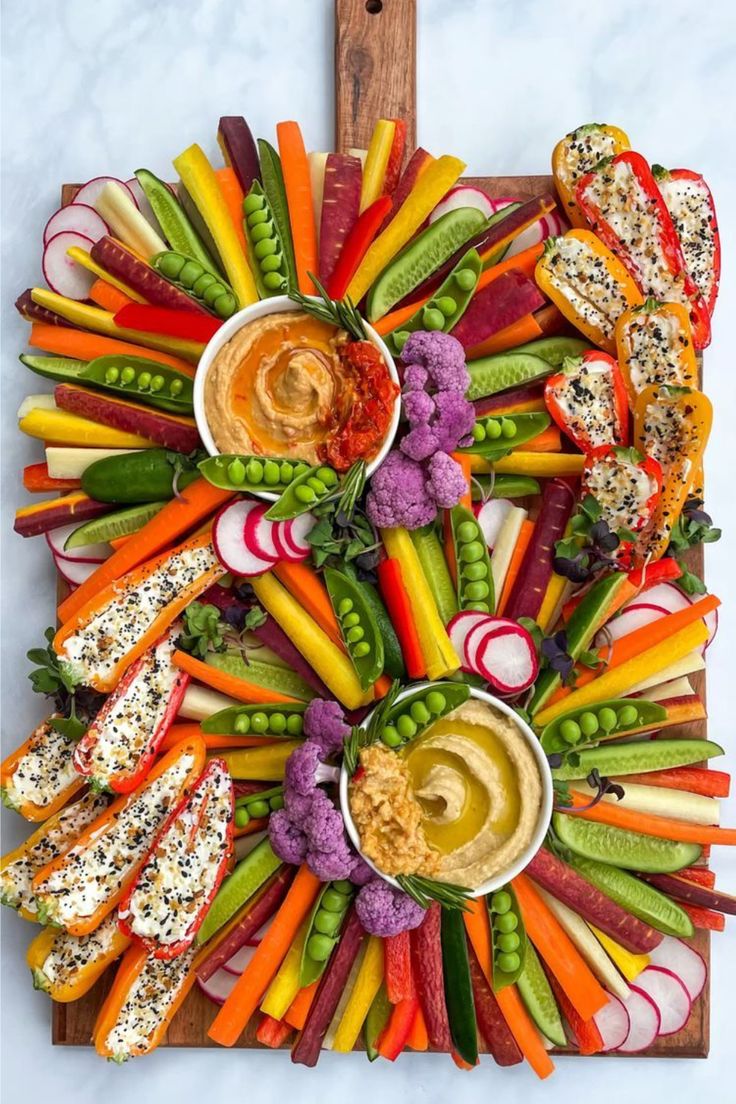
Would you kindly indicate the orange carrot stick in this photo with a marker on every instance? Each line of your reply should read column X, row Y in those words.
column 81, row 345
column 212, row 741
column 232, row 193
column 549, row 440
column 649, row 824
column 198, row 501
column 311, row 594
column 559, row 952
column 521, row 1027
column 478, row 927
column 108, row 297
column 298, row 186
column 586, row 1031
column 299, row 1008
column 463, row 459
column 518, row 333
column 517, row 558
column 418, row 1039
column 237, row 1010
column 234, row 687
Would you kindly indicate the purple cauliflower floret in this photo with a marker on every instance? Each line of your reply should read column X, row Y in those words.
column 361, row 873
column 324, row 828
column 301, row 768
column 334, row 864
column 437, row 358
column 418, row 407
column 446, row 483
column 398, row 494
column 324, row 724
column 287, row 841
column 453, row 424
column 385, row 911
column 299, row 806
column 420, row 443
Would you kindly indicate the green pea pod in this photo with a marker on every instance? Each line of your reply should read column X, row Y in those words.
column 358, row 626
column 496, row 436
column 508, row 937
column 446, row 307
column 474, row 576
column 150, row 475
column 273, row 187
column 258, row 806
column 172, row 218
column 606, row 720
column 458, row 986
column 304, row 492
column 235, row 472
column 265, row 250
column 198, row 281
column 504, row 486
column 237, row 720
column 409, row 717
column 131, row 377
column 323, row 930
column 393, row 659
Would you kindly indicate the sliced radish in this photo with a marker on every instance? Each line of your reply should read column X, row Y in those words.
column 62, row 274
column 460, row 627
column 644, row 1022
column 76, row 218
column 90, row 191
column 632, row 618
column 258, row 534
column 684, row 962
column 533, row 235
column 670, row 996
column 491, row 517
column 475, row 633
column 229, row 542
column 667, row 595
column 241, row 958
column 503, row 654
column 288, row 538
column 219, row 987
column 463, row 196
column 613, row 1023
column 504, row 201
column 142, row 203
column 74, row 571
column 87, row 553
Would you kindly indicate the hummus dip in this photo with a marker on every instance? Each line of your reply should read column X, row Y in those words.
column 468, row 806
column 290, row 385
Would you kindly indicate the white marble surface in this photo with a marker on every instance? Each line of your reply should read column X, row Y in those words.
column 92, row 88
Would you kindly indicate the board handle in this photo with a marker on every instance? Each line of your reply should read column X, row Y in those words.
column 370, row 82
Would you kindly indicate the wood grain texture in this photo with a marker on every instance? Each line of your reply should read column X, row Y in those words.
column 375, row 68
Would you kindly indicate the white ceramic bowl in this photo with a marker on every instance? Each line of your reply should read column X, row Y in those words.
column 545, row 808
column 249, row 314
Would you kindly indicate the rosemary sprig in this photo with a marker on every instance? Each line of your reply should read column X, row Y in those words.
column 338, row 312
column 351, row 489
column 364, row 737
column 426, row 890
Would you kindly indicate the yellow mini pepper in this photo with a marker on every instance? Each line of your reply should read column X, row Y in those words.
column 579, row 152
column 654, row 343
column 80, row 959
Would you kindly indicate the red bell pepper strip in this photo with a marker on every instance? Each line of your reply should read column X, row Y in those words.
column 395, row 158
column 196, row 843
column 690, row 203
column 118, row 748
column 273, row 1033
column 397, row 968
column 626, row 485
column 172, row 323
column 587, row 400
column 356, row 246
column 625, row 208
column 395, row 1035
column 397, row 602
column 704, row 917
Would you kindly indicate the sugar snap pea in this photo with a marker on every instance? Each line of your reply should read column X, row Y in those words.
column 258, row 805
column 308, row 489
column 233, row 472
column 446, row 307
column 257, row 720
column 358, row 625
column 275, row 191
column 323, row 930
column 197, row 280
column 131, row 377
column 172, row 218
column 495, row 436
column 265, row 249
column 587, row 726
column 474, row 577
column 504, row 486
column 408, row 718
column 508, row 937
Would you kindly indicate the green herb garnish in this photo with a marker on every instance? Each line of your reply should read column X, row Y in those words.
column 360, row 738
column 426, row 890
column 338, row 312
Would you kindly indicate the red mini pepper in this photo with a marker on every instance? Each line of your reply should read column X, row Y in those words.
column 394, row 594
column 171, row 323
column 204, row 816
column 690, row 203
column 626, row 485
column 625, row 208
column 152, row 684
column 587, row 399
column 356, row 246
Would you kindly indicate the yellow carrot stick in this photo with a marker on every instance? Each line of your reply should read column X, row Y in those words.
column 544, row 465
column 367, row 984
column 630, row 964
column 285, row 985
column 374, row 170
column 71, row 429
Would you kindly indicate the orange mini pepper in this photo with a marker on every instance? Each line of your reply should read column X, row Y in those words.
column 655, row 345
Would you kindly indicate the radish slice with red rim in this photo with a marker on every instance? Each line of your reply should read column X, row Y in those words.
column 87, row 553
column 491, row 516
column 683, row 961
column 295, row 532
column 667, row 595
column 61, row 273
column 76, row 218
column 463, row 196
column 503, row 653
column 218, row 987
column 90, row 191
column 644, row 1021
column 229, row 541
column 241, row 958
column 504, row 201
column 258, row 533
column 631, row 619
column 533, row 235
column 670, row 996
column 75, row 572
column 460, row 627
column 612, row 1020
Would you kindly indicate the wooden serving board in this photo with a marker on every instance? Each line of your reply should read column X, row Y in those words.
column 375, row 76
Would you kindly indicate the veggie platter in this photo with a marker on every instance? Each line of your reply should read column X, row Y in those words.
column 296, row 694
